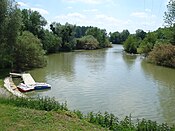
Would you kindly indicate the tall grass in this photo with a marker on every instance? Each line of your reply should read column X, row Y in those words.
column 106, row 120
column 111, row 122
column 44, row 103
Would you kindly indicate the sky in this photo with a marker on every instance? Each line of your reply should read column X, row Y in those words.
column 112, row 15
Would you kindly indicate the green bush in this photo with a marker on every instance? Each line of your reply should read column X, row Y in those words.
column 163, row 55
column 46, row 103
column 87, row 42
column 28, row 52
column 131, row 44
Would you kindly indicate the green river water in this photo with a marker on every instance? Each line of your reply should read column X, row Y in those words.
column 110, row 80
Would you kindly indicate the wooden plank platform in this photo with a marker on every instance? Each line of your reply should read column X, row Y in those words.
column 11, row 87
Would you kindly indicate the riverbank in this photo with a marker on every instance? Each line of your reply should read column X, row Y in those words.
column 48, row 114
column 15, row 118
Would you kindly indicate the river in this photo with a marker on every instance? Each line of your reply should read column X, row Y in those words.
column 110, row 80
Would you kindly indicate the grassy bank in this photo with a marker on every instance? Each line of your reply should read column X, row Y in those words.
column 48, row 114
column 16, row 118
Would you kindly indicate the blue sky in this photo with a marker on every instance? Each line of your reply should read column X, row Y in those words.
column 112, row 15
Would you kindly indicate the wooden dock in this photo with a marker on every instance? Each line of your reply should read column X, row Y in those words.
column 11, row 87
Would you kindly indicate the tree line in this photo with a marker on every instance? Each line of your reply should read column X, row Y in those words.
column 24, row 40
column 159, row 45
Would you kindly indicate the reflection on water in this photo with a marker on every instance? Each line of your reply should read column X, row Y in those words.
column 110, row 80
column 129, row 60
column 164, row 78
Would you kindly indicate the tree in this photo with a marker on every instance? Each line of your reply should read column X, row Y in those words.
column 10, row 23
column 51, row 42
column 13, row 28
column 28, row 52
column 115, row 38
column 66, row 33
column 100, row 35
column 140, row 34
column 33, row 21
column 119, row 38
column 3, row 21
column 169, row 18
column 124, row 35
column 87, row 42
column 80, row 31
column 170, row 14
column 147, row 43
column 131, row 44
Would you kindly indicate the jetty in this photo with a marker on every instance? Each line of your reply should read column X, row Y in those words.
column 11, row 87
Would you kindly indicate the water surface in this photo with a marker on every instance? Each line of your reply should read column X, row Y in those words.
column 110, row 80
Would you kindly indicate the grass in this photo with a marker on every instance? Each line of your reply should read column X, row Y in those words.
column 48, row 114
column 17, row 118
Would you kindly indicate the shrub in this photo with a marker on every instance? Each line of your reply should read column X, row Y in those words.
column 131, row 44
column 45, row 103
column 87, row 42
column 163, row 55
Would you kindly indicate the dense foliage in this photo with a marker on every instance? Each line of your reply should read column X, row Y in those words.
column 163, row 55
column 33, row 22
column 100, row 35
column 87, row 42
column 153, row 44
column 131, row 44
column 10, row 23
column 119, row 38
column 25, row 41
column 80, row 31
column 28, row 52
column 106, row 120
column 15, row 23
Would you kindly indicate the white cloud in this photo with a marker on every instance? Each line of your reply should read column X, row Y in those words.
column 148, row 10
column 84, row 1
column 73, row 18
column 89, row 1
column 139, row 14
column 100, row 20
column 70, row 7
column 91, row 10
column 41, row 11
column 22, row 4
column 145, row 20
